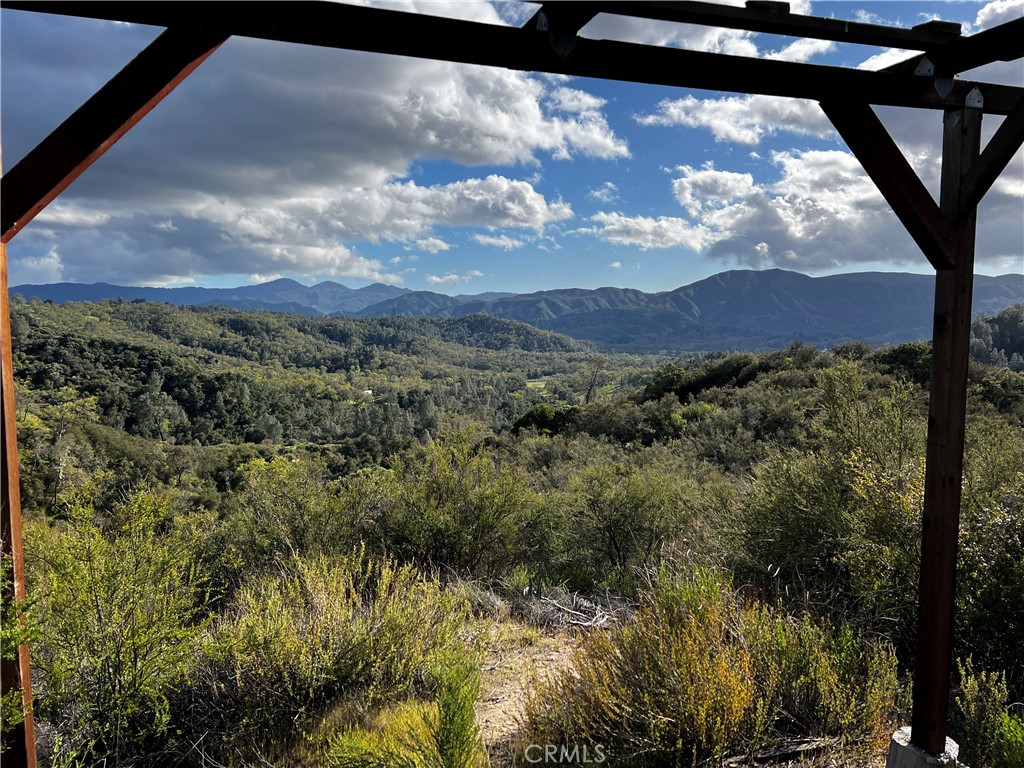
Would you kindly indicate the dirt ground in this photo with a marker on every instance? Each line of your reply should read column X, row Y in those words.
column 512, row 660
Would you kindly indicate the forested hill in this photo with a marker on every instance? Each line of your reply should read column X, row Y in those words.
column 738, row 309
column 747, row 309
column 207, row 375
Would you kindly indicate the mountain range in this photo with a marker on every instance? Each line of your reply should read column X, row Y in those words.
column 745, row 309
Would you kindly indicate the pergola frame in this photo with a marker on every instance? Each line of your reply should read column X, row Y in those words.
column 549, row 42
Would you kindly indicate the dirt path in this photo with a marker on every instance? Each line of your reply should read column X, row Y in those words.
column 504, row 685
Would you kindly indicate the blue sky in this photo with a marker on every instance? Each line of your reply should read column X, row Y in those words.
column 281, row 160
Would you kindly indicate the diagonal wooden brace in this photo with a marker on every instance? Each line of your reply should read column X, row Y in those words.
column 871, row 143
column 997, row 154
column 94, row 127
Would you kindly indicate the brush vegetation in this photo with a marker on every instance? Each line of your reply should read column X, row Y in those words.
column 257, row 538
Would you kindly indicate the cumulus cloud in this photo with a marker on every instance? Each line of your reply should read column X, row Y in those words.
column 504, row 242
column 742, row 119
column 258, row 278
column 450, row 278
column 72, row 215
column 605, row 193
column 431, row 245
column 645, row 232
column 823, row 212
column 999, row 12
column 294, row 153
column 45, row 268
column 803, row 49
column 886, row 58
column 616, row 265
column 653, row 32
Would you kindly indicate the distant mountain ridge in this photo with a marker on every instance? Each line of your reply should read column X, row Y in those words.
column 282, row 295
column 735, row 309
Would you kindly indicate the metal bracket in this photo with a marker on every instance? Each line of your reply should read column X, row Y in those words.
column 925, row 67
column 943, row 86
column 975, row 99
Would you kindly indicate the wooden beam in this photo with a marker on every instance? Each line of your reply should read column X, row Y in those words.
column 947, row 410
column 20, row 750
column 781, row 23
column 1001, row 43
column 94, row 127
column 338, row 25
column 562, row 20
column 868, row 139
column 996, row 156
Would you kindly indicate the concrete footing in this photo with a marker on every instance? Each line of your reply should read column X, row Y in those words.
column 903, row 754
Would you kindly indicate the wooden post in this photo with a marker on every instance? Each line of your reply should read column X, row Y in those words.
column 21, row 749
column 951, row 334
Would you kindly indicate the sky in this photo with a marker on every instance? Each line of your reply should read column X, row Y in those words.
column 279, row 160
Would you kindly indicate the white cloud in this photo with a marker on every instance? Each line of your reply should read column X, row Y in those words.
column 47, row 268
column 297, row 153
column 574, row 100
column 605, row 193
column 645, row 232
column 867, row 17
column 742, row 119
column 999, row 12
column 256, row 278
column 822, row 212
column 395, row 260
column 406, row 211
column 73, row 215
column 707, row 189
column 886, row 58
column 451, row 278
column 504, row 242
column 803, row 49
column 653, row 32
column 432, row 245
column 616, row 265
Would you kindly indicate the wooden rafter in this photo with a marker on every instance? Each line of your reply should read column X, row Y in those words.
column 337, row 25
column 868, row 139
column 94, row 127
column 1002, row 43
column 777, row 22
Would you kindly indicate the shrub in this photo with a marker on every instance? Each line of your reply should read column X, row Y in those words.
column 294, row 643
column 440, row 734
column 978, row 717
column 670, row 687
column 119, row 615
column 1009, row 742
column 447, row 504
column 698, row 673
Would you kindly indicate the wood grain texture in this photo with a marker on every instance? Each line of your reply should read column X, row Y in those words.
column 945, row 452
column 21, row 748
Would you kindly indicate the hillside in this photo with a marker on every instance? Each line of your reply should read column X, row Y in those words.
column 747, row 309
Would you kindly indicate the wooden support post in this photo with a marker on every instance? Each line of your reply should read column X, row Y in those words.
column 951, row 334
column 21, row 748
